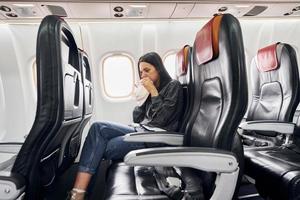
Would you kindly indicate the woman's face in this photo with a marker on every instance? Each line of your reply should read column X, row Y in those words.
column 148, row 70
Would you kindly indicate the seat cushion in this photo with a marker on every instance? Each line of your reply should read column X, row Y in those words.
column 125, row 182
column 138, row 182
column 276, row 171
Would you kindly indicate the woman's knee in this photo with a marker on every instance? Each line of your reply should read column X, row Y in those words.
column 98, row 125
column 100, row 129
column 95, row 129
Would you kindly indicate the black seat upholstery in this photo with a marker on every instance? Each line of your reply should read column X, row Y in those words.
column 220, row 98
column 50, row 144
column 184, row 76
column 276, row 169
column 275, row 91
column 72, row 147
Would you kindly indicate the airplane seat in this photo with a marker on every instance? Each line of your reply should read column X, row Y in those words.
column 58, row 115
column 88, row 85
column 220, row 99
column 275, row 95
column 183, row 75
column 276, row 169
column 72, row 147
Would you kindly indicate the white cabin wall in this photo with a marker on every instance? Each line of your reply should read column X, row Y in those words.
column 175, row 34
column 16, row 73
column 2, row 109
column 17, row 88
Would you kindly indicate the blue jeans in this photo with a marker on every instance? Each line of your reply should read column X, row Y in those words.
column 105, row 140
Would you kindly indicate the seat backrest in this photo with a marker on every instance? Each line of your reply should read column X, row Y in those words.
column 71, row 148
column 88, row 85
column 183, row 75
column 219, row 84
column 274, row 84
column 59, row 106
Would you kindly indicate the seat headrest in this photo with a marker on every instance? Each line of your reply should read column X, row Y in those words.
column 267, row 59
column 182, row 61
column 207, row 41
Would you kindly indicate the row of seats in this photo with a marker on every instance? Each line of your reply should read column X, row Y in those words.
column 205, row 155
column 64, row 106
column 272, row 156
column 274, row 161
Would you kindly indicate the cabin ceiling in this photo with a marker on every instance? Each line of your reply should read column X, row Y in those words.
column 97, row 9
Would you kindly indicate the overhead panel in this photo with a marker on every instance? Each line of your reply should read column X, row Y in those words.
column 1, row 16
column 296, row 13
column 256, row 10
column 90, row 10
column 277, row 10
column 129, row 10
column 160, row 10
column 182, row 10
column 55, row 8
column 20, row 10
column 208, row 10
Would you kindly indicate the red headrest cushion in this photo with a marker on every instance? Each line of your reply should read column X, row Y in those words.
column 182, row 61
column 267, row 58
column 207, row 41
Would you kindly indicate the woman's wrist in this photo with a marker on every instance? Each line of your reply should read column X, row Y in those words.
column 154, row 93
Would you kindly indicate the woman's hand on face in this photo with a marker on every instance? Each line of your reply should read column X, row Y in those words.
column 148, row 84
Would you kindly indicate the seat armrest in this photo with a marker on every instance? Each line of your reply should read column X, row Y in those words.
column 208, row 159
column 163, row 137
column 11, row 185
column 269, row 125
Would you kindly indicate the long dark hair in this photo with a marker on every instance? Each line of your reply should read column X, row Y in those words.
column 154, row 59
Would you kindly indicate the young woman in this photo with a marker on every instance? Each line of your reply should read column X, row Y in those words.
column 162, row 109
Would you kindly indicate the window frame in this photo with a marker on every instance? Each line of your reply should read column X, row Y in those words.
column 102, row 86
column 165, row 55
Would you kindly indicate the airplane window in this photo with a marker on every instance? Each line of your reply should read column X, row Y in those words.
column 118, row 76
column 170, row 63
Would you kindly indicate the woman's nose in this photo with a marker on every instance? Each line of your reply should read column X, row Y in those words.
column 143, row 75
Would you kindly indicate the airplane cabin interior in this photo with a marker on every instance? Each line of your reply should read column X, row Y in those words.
column 65, row 65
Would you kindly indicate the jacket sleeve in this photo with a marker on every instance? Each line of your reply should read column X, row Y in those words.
column 139, row 113
column 165, row 106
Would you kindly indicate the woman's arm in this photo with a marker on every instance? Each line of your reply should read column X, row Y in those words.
column 166, row 106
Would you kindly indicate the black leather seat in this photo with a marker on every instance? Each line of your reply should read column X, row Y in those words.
column 88, row 86
column 276, row 169
column 275, row 92
column 71, row 148
column 50, row 147
column 220, row 99
column 184, row 76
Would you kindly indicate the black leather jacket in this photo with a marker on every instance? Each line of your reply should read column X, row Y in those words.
column 164, row 110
